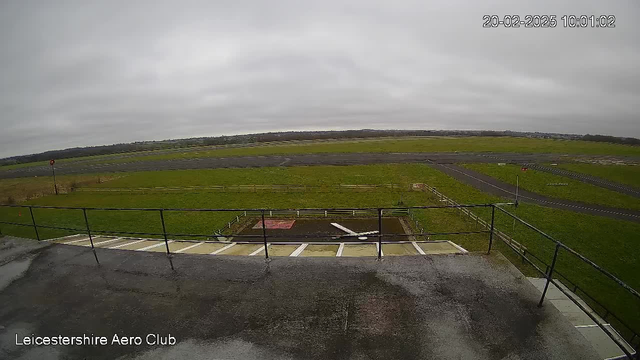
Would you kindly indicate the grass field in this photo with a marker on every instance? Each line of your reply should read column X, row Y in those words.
column 612, row 244
column 205, row 223
column 624, row 174
column 537, row 181
column 423, row 144
column 21, row 189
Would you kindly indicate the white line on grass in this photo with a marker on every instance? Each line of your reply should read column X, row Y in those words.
column 154, row 245
column 299, row 250
column 189, row 247
column 340, row 249
column 222, row 249
column 125, row 244
column 420, row 251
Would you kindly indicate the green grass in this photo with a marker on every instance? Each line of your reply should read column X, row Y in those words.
column 576, row 190
column 303, row 175
column 21, row 189
column 624, row 174
column 422, row 144
column 610, row 243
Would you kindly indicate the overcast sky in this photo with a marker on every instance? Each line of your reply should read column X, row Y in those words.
column 76, row 73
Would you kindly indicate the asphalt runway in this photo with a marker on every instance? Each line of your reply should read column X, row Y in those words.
column 499, row 188
column 589, row 179
column 289, row 160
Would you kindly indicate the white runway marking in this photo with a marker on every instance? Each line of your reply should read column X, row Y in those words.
column 125, row 244
column 154, row 246
column 420, row 251
column 590, row 326
column 299, row 250
column 189, row 247
column 464, row 251
column 340, row 249
column 62, row 238
column 106, row 242
column 75, row 241
column 259, row 250
column 222, row 249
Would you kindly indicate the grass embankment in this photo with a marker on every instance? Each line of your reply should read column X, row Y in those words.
column 423, row 144
column 623, row 174
column 610, row 243
column 539, row 182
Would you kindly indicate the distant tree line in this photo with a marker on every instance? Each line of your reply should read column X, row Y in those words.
column 612, row 139
column 288, row 136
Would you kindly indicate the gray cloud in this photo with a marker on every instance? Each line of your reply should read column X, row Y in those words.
column 78, row 73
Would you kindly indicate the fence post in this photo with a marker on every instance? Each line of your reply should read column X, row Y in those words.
column 493, row 216
column 264, row 237
column 166, row 241
column 164, row 232
column 33, row 220
column 549, row 274
column 86, row 222
column 379, row 234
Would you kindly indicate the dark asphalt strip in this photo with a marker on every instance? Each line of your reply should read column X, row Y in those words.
column 589, row 179
column 496, row 187
column 279, row 160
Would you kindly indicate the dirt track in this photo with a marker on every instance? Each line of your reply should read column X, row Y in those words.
column 494, row 186
column 287, row 160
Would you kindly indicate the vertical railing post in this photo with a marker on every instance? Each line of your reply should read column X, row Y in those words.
column 379, row 234
column 493, row 216
column 166, row 240
column 33, row 220
column 549, row 274
column 164, row 232
column 86, row 222
column 264, row 237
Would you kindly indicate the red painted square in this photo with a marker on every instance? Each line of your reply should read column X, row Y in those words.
column 275, row 224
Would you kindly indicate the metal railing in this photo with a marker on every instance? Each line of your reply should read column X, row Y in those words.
column 307, row 212
column 550, row 271
column 379, row 212
column 632, row 336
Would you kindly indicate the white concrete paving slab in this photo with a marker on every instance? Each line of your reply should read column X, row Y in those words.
column 599, row 340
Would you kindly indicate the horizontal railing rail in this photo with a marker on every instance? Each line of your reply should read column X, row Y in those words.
column 377, row 238
column 633, row 339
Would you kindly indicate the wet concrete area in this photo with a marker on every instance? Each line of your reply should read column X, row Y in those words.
column 406, row 307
